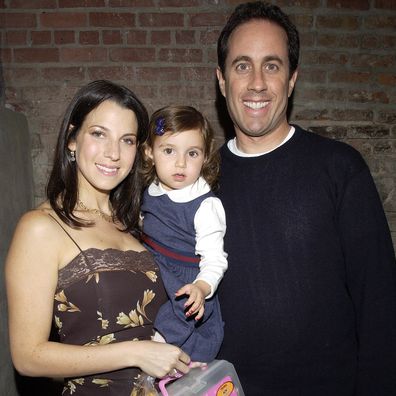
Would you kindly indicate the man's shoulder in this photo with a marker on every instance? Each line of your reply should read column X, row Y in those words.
column 337, row 154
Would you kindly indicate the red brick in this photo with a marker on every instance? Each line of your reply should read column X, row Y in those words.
column 20, row 75
column 132, row 3
column 17, row 20
column 125, row 73
column 111, row 37
column 63, row 73
column 324, row 58
column 338, row 40
column 112, row 19
column 29, row 4
column 64, row 37
column 378, row 42
column 89, row 38
column 61, row 20
column 157, row 20
column 132, row 54
column 380, row 22
column 373, row 60
column 180, row 55
column 209, row 36
column 5, row 55
column 295, row 3
column 387, row 79
column 15, row 37
column 86, row 54
column 81, row 3
column 185, row 37
column 310, row 75
column 387, row 117
column 390, row 4
column 347, row 22
column 160, row 37
column 302, row 20
column 350, row 77
column 158, row 73
column 350, row 4
column 364, row 96
column 179, row 3
column 136, row 37
column 2, row 4
column 351, row 115
column 200, row 74
column 210, row 19
column 41, row 37
column 36, row 55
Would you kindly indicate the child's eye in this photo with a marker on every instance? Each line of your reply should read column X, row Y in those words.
column 168, row 150
column 193, row 154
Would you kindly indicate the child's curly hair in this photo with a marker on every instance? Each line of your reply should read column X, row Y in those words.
column 178, row 119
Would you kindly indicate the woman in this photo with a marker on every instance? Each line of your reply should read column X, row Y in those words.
column 75, row 260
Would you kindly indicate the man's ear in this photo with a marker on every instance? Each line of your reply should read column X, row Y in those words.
column 292, row 83
column 221, row 80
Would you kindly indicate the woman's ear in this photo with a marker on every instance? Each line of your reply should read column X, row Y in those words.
column 72, row 145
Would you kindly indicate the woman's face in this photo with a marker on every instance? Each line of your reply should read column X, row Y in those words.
column 105, row 146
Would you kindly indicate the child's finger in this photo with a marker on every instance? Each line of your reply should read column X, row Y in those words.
column 200, row 313
column 183, row 290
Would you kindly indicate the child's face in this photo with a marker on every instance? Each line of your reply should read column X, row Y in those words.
column 178, row 158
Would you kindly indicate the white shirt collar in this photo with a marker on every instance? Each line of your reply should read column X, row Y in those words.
column 184, row 194
column 234, row 149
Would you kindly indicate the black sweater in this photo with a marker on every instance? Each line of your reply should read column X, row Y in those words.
column 309, row 298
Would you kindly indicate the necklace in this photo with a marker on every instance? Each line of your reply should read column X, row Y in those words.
column 97, row 212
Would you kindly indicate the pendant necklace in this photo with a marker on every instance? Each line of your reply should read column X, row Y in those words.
column 96, row 212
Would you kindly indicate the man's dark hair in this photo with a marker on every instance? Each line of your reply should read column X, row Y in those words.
column 255, row 11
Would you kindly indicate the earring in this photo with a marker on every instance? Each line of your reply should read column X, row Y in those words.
column 72, row 156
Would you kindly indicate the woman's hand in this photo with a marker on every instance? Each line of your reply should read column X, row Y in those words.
column 158, row 359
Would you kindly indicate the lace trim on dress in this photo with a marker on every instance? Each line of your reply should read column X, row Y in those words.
column 94, row 260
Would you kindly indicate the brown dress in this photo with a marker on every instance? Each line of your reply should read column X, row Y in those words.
column 102, row 297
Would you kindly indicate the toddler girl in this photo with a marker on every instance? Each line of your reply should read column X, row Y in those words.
column 184, row 226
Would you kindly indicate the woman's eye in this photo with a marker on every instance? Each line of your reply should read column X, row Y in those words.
column 129, row 141
column 97, row 133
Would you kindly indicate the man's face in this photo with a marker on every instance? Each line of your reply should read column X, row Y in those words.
column 256, row 81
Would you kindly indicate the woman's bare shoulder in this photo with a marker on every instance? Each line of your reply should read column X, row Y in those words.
column 38, row 222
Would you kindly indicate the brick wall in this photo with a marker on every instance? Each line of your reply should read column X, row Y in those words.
column 165, row 50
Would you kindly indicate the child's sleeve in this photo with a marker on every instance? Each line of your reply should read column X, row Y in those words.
column 210, row 228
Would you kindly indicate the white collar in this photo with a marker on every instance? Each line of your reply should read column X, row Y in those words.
column 232, row 145
column 184, row 194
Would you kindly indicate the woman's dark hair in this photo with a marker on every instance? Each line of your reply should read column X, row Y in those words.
column 256, row 11
column 62, row 187
column 178, row 119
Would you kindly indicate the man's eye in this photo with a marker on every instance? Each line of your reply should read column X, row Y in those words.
column 272, row 67
column 242, row 67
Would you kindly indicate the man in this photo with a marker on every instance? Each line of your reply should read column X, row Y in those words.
column 309, row 299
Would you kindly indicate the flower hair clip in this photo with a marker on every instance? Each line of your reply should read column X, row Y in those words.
column 160, row 126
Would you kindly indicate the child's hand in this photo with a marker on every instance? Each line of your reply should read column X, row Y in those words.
column 196, row 302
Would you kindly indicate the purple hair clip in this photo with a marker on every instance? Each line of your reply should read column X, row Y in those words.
column 160, row 126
